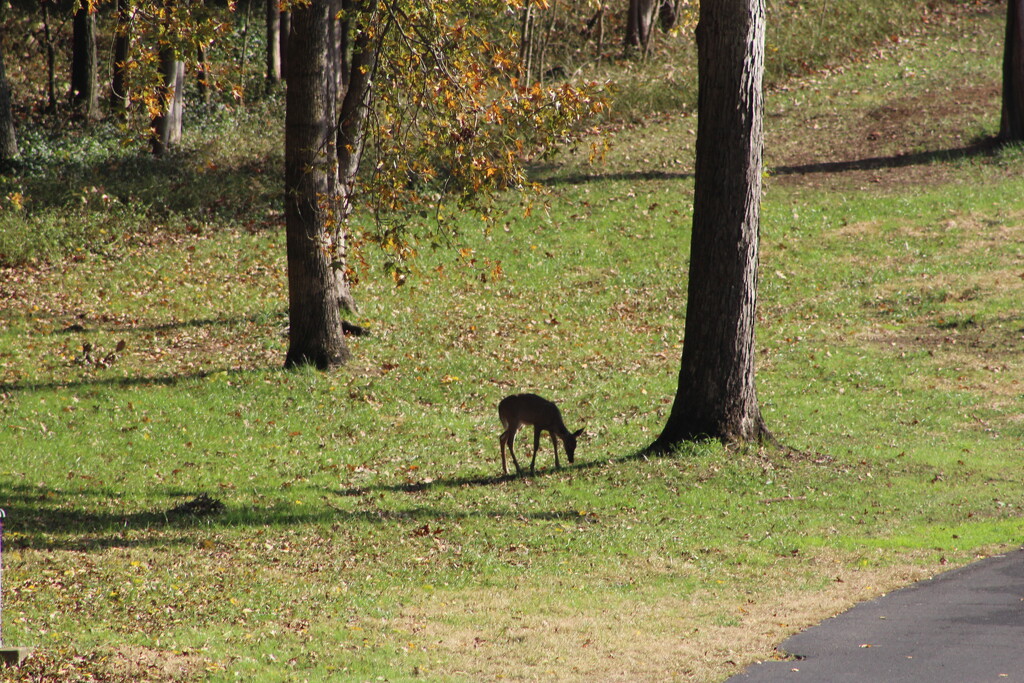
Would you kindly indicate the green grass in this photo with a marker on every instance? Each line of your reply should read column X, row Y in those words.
column 367, row 531
column 802, row 39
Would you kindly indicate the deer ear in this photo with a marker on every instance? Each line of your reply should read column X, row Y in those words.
column 577, row 433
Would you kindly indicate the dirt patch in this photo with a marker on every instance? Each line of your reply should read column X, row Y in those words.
column 157, row 665
column 876, row 149
column 895, row 136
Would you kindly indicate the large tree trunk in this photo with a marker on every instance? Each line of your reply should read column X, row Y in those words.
column 716, row 397
column 122, row 47
column 84, row 93
column 273, row 42
column 1011, row 128
column 317, row 289
column 8, row 140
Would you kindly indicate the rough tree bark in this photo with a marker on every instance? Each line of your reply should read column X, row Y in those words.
column 1011, row 128
column 716, row 396
column 8, row 139
column 84, row 93
column 318, row 292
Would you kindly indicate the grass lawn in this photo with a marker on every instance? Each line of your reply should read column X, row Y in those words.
column 356, row 526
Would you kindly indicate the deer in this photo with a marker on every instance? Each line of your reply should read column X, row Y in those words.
column 519, row 410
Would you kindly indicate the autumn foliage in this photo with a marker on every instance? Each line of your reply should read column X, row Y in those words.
column 453, row 118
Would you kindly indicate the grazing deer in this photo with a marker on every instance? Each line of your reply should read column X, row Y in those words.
column 530, row 409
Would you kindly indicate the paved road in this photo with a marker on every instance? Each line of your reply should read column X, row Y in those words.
column 963, row 626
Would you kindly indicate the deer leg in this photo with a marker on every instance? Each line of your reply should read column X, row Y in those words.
column 536, row 445
column 504, row 465
column 509, row 437
column 554, row 444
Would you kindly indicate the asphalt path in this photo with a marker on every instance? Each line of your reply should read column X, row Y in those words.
column 962, row 626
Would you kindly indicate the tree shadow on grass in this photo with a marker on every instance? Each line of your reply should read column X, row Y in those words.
column 425, row 485
column 638, row 176
column 85, row 383
column 984, row 147
column 91, row 327
column 43, row 520
column 166, row 380
column 49, row 520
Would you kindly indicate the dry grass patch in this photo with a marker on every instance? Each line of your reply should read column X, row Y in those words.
column 642, row 628
column 117, row 664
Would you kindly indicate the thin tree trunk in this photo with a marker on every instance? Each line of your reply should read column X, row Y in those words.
column 317, row 289
column 122, row 47
column 51, row 59
column 355, row 109
column 639, row 21
column 1011, row 127
column 8, row 139
column 527, row 40
column 273, row 42
column 716, row 396
column 337, row 47
column 286, row 32
column 84, row 93
column 245, row 36
column 542, row 69
column 168, row 124
column 346, row 27
column 205, row 75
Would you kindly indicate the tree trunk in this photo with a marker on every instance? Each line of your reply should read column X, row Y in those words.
column 51, row 59
column 8, row 140
column 167, row 125
column 317, row 288
column 716, row 397
column 84, row 93
column 286, row 32
column 273, row 42
column 639, row 21
column 205, row 75
column 355, row 109
column 337, row 46
column 527, row 41
column 122, row 46
column 347, row 26
column 1011, row 128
